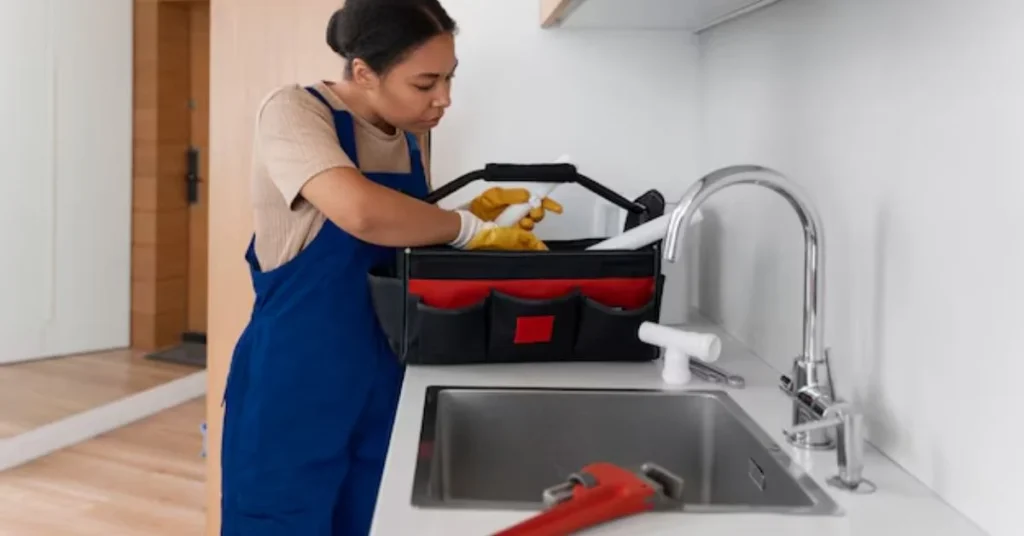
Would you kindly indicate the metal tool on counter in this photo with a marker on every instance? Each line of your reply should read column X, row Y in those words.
column 600, row 493
column 713, row 374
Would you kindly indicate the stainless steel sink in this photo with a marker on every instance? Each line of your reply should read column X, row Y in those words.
column 499, row 448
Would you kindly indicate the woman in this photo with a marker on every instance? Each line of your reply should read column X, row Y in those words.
column 338, row 173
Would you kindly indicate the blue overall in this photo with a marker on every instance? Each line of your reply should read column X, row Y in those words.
column 313, row 385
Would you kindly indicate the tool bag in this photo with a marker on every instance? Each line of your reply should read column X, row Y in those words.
column 444, row 306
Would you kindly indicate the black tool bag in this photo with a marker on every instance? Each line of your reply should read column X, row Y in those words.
column 443, row 306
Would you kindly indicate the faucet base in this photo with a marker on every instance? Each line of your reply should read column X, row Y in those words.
column 811, row 394
column 864, row 486
column 807, row 441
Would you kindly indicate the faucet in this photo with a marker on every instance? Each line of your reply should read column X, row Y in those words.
column 816, row 414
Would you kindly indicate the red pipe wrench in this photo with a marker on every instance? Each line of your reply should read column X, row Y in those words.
column 599, row 493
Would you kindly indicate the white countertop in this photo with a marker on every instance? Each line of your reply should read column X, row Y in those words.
column 901, row 505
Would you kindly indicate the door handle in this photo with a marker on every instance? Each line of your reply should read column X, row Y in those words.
column 192, row 176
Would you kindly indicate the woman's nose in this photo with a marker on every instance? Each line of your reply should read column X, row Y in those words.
column 444, row 96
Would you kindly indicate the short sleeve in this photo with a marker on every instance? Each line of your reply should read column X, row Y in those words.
column 296, row 140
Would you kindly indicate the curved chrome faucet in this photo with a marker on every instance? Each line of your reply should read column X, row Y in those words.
column 811, row 375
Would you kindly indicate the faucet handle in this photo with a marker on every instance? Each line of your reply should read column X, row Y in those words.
column 828, row 373
column 811, row 398
column 811, row 426
column 786, row 385
column 850, row 425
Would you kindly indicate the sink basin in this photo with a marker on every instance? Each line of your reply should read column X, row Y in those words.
column 499, row 448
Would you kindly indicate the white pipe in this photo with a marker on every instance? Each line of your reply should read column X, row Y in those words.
column 703, row 346
column 513, row 213
column 538, row 191
column 680, row 347
column 637, row 237
column 643, row 235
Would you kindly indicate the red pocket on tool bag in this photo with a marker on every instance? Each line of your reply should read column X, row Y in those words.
column 523, row 329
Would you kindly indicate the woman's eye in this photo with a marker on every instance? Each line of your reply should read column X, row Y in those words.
column 425, row 88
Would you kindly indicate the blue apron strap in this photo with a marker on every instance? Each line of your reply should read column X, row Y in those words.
column 414, row 145
column 313, row 91
column 415, row 156
column 343, row 126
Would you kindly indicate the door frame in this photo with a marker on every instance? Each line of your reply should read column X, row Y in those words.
column 163, row 273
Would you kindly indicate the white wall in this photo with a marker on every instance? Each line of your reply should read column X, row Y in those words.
column 65, row 188
column 904, row 121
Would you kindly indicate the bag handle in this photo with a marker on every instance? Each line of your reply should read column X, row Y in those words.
column 558, row 173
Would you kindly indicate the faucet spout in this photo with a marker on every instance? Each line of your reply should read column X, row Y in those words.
column 814, row 245
column 810, row 369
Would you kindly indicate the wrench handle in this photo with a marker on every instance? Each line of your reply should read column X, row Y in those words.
column 583, row 511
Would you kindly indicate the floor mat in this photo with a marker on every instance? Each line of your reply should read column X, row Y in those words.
column 186, row 353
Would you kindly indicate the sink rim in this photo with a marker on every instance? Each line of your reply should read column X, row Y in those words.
column 822, row 503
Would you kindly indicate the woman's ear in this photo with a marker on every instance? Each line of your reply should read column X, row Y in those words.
column 363, row 75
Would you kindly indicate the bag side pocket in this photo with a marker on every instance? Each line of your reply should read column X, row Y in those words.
column 448, row 336
column 610, row 333
column 528, row 330
column 388, row 299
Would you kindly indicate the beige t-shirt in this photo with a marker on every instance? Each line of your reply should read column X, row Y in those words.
column 295, row 141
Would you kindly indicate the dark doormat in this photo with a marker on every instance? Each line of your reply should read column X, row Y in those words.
column 186, row 353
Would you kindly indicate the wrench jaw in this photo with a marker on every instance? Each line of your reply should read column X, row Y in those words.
column 564, row 491
column 668, row 485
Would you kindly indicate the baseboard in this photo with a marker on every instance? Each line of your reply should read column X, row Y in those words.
column 66, row 432
column 193, row 336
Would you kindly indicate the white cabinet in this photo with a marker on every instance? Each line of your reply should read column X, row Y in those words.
column 27, row 178
column 688, row 15
column 66, row 185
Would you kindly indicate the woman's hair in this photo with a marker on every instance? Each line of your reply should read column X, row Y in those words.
column 381, row 32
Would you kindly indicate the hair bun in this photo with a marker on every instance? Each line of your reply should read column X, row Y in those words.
column 334, row 37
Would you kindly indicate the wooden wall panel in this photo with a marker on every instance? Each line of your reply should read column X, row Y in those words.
column 144, row 164
column 256, row 45
column 162, row 133
column 198, row 218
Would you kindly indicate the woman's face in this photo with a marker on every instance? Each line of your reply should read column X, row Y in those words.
column 414, row 94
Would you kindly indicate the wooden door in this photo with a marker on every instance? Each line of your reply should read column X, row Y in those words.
column 169, row 243
column 256, row 46
column 199, row 50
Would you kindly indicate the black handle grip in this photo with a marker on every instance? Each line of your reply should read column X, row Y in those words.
column 560, row 173
column 533, row 172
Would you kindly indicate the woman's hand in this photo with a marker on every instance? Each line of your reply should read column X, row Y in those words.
column 475, row 233
column 490, row 204
column 507, row 239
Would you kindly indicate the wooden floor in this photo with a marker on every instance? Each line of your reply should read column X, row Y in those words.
column 146, row 479
column 41, row 392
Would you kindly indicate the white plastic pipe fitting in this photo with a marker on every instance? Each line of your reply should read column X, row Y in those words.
column 679, row 347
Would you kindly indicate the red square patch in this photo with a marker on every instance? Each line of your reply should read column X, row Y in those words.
column 534, row 329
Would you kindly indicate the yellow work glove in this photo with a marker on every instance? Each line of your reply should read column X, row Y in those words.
column 475, row 233
column 507, row 239
column 490, row 204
